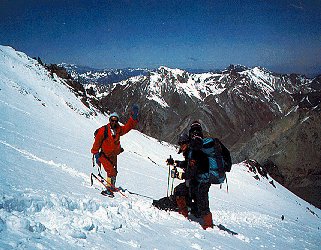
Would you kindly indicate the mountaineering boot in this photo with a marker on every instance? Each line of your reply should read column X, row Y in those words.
column 181, row 204
column 208, row 222
column 107, row 192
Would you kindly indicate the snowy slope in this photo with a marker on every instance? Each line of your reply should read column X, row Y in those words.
column 47, row 202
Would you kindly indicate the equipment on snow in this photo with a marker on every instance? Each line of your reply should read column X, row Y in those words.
column 223, row 228
column 130, row 192
column 166, row 203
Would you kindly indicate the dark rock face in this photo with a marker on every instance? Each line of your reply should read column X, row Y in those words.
column 272, row 118
column 290, row 151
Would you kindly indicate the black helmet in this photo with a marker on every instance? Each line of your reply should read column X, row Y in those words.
column 183, row 138
column 196, row 129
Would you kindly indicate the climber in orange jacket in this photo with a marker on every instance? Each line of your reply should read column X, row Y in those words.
column 105, row 150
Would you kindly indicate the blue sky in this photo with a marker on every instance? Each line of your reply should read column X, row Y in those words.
column 283, row 35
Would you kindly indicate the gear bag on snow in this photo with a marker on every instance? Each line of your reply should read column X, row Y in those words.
column 219, row 161
column 166, row 203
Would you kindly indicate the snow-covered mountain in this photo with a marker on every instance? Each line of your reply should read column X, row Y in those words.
column 47, row 201
column 216, row 98
column 87, row 75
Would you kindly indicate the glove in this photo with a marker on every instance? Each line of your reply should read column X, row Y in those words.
column 174, row 173
column 135, row 110
column 97, row 155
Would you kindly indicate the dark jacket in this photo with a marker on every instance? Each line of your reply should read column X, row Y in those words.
column 196, row 161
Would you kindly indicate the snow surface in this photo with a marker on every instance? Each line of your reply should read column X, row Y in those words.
column 47, row 201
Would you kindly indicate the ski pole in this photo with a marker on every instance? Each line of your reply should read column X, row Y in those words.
column 139, row 194
column 172, row 186
column 168, row 179
column 93, row 161
column 174, row 168
column 99, row 180
column 169, row 173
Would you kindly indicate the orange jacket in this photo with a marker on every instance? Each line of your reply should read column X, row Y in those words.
column 111, row 145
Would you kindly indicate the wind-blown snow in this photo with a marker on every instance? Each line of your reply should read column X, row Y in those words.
column 47, row 201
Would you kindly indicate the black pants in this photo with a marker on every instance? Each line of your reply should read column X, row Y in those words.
column 196, row 196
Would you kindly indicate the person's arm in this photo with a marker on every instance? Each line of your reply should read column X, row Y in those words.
column 132, row 121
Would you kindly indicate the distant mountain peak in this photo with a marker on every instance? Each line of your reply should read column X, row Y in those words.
column 236, row 67
column 166, row 70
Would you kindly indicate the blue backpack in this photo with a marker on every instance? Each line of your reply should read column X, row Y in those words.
column 219, row 161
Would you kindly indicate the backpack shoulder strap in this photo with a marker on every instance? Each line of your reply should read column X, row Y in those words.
column 105, row 132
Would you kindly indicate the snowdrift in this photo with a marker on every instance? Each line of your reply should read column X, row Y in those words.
column 47, row 201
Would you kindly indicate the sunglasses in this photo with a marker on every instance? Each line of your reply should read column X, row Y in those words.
column 114, row 120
